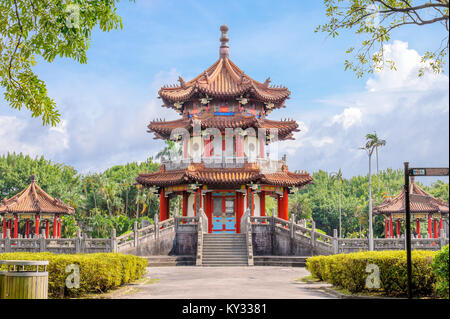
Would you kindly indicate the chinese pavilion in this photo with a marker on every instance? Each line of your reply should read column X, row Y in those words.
column 423, row 206
column 30, row 204
column 224, row 165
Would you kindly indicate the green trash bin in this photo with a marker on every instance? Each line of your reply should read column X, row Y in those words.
column 24, row 279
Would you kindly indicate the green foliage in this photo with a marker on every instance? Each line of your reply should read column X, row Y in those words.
column 46, row 29
column 375, row 20
column 349, row 271
column 101, row 200
column 98, row 272
column 440, row 267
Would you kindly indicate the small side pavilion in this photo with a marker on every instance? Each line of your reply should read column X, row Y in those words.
column 33, row 204
column 423, row 206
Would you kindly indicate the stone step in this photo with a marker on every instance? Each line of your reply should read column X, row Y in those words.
column 227, row 265
column 281, row 261
column 166, row 261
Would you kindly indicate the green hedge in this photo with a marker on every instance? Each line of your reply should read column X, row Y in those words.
column 98, row 272
column 440, row 267
column 349, row 271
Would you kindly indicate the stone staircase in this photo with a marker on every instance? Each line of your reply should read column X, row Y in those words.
column 224, row 250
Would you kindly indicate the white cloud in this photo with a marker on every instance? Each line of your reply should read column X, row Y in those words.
column 349, row 117
column 411, row 113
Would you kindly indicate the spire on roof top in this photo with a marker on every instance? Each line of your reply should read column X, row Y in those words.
column 224, row 49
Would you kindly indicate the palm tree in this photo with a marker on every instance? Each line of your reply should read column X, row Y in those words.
column 171, row 149
column 377, row 143
column 337, row 176
column 369, row 148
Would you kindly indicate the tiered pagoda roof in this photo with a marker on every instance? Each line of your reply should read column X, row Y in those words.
column 197, row 173
column 285, row 128
column 34, row 200
column 420, row 202
column 223, row 80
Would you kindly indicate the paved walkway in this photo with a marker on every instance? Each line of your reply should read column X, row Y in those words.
column 189, row 282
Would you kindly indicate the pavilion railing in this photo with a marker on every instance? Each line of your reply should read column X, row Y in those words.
column 323, row 243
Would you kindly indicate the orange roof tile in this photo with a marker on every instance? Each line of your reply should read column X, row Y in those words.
column 33, row 199
column 225, row 176
column 224, row 79
column 162, row 129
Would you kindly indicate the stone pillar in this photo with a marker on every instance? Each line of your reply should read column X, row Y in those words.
column 335, row 242
column 78, row 242
column 313, row 236
column 8, row 241
column 136, row 234
column 42, row 243
column 113, row 241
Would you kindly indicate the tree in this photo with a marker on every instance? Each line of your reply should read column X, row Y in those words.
column 376, row 20
column 377, row 143
column 46, row 29
column 170, row 151
column 369, row 148
column 337, row 176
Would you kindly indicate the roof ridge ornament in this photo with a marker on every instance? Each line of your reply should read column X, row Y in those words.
column 224, row 48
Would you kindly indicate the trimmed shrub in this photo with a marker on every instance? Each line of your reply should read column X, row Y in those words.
column 349, row 271
column 98, row 272
column 440, row 267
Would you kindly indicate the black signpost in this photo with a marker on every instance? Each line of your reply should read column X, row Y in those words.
column 431, row 171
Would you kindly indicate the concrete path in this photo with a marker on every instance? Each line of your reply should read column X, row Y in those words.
column 189, row 282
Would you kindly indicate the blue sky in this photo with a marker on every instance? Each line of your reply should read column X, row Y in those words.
column 107, row 103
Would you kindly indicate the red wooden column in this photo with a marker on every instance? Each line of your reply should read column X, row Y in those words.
column 252, row 204
column 418, row 227
column 55, row 226
column 36, row 225
column 262, row 203
column 248, row 197
column 239, row 210
column 285, row 205
column 163, row 205
column 200, row 197
column 16, row 222
column 59, row 226
column 4, row 226
column 185, row 203
column 430, row 229
column 435, row 228
column 278, row 206
column 440, row 226
column 398, row 228
column 208, row 210
column 47, row 228
column 27, row 228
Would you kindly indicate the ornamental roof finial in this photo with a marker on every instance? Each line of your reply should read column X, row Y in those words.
column 224, row 49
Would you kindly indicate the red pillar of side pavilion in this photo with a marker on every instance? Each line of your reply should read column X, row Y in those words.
column 47, row 228
column 55, row 226
column 27, row 228
column 59, row 227
column 430, row 229
column 163, row 205
column 208, row 210
column 440, row 226
column 435, row 228
column 36, row 225
column 16, row 226
column 418, row 227
column 398, row 228
column 4, row 227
